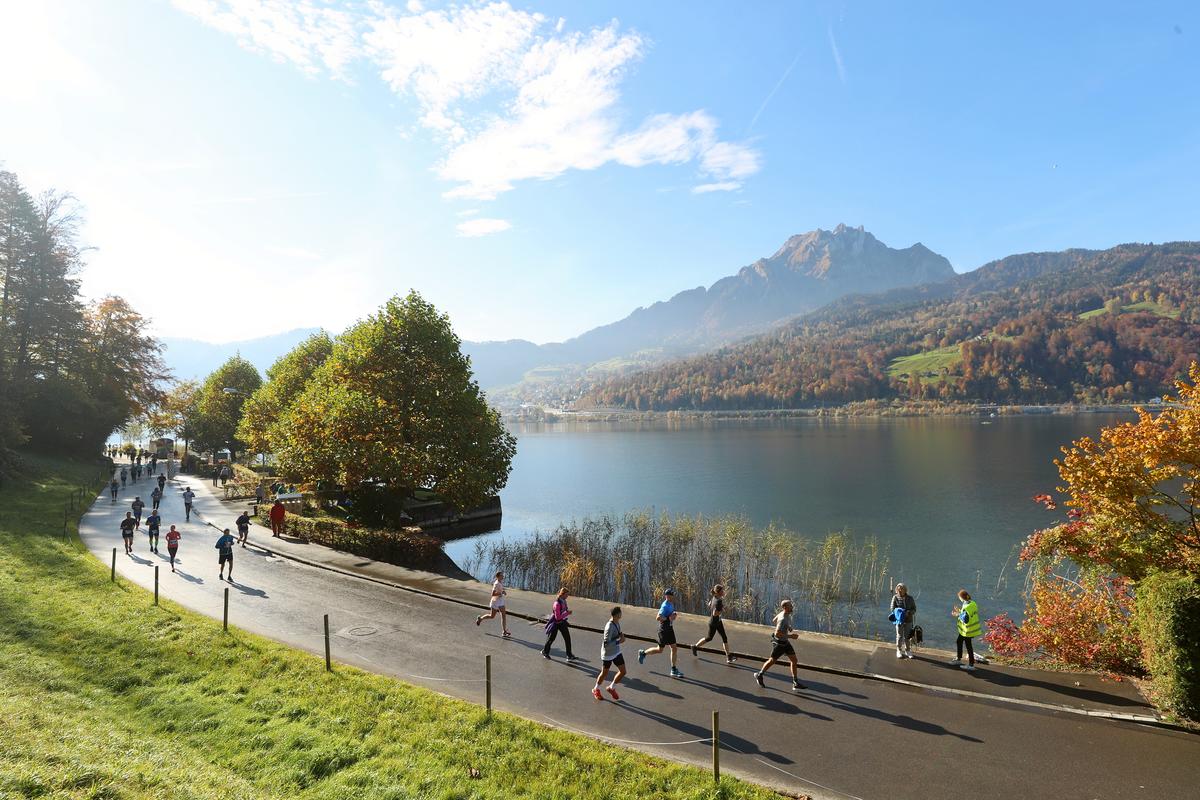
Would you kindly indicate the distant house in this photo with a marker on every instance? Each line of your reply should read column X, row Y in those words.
column 162, row 447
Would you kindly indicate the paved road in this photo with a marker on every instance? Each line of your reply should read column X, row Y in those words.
column 841, row 737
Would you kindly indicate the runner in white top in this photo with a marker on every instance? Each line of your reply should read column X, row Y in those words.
column 496, row 604
column 610, row 653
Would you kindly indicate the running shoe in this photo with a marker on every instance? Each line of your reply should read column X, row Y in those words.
column 508, row 634
column 956, row 661
column 477, row 621
column 695, row 651
column 797, row 686
column 641, row 656
column 967, row 667
column 758, row 677
column 596, row 693
column 570, row 657
column 899, row 653
column 730, row 659
column 546, row 656
column 675, row 673
column 613, row 693
column 908, row 654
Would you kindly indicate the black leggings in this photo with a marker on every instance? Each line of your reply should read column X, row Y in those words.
column 554, row 631
column 970, row 649
column 716, row 628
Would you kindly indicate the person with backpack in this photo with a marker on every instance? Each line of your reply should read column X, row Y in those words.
column 904, row 617
column 152, row 524
column 188, row 497
column 716, row 627
column 969, row 626
column 173, row 537
column 243, row 527
column 610, row 654
column 781, row 645
column 127, row 526
column 224, row 546
column 558, row 624
column 666, row 634
column 496, row 606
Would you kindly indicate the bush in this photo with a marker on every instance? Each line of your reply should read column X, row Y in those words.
column 406, row 547
column 1168, row 617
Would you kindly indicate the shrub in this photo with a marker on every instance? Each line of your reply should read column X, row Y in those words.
column 405, row 547
column 1168, row 618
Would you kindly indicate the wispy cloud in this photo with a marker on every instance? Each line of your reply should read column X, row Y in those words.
column 771, row 94
column 720, row 186
column 482, row 226
column 837, row 56
column 512, row 95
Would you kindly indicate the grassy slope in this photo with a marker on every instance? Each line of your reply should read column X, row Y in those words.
column 929, row 361
column 1146, row 305
column 103, row 695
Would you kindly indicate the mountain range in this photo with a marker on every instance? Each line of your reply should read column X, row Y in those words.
column 805, row 273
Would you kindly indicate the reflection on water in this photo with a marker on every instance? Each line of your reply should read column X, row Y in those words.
column 951, row 496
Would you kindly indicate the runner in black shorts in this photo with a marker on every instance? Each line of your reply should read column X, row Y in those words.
column 781, row 645
column 243, row 526
column 127, row 526
column 152, row 523
column 225, row 547
column 666, row 633
column 716, row 607
column 610, row 653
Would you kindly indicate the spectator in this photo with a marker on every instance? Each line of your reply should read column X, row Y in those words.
column 278, row 518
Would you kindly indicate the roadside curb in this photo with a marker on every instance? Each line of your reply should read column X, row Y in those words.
column 1141, row 719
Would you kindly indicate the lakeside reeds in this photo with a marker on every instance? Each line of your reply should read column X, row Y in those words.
column 833, row 581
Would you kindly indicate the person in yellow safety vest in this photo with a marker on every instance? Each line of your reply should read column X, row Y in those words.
column 969, row 626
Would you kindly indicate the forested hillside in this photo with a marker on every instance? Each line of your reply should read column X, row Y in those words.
column 1077, row 326
column 70, row 371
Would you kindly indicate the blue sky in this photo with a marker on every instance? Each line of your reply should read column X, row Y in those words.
column 251, row 166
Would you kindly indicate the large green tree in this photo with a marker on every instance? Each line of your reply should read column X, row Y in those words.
column 395, row 406
column 286, row 379
column 213, row 419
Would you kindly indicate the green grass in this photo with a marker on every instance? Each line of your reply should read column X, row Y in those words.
column 1147, row 306
column 927, row 365
column 103, row 695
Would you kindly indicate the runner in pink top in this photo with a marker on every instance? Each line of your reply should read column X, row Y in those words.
column 558, row 624
column 173, row 536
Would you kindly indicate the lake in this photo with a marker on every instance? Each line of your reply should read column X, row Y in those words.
column 950, row 496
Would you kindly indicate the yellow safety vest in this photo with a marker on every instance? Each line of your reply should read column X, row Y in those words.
column 972, row 626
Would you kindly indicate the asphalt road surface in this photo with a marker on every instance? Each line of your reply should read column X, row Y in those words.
column 840, row 737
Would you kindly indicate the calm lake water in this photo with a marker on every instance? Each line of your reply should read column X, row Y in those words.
column 951, row 496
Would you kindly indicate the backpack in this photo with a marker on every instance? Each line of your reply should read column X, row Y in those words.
column 916, row 635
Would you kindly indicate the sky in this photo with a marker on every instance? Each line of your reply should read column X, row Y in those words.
column 247, row 167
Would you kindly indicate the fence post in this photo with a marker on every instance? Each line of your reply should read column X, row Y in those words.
column 156, row 584
column 716, row 747
column 114, row 566
column 225, row 621
column 487, row 669
column 328, row 660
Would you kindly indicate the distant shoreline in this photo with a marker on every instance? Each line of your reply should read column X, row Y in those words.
column 866, row 409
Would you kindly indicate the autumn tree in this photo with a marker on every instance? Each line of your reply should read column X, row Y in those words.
column 286, row 379
column 394, row 406
column 213, row 419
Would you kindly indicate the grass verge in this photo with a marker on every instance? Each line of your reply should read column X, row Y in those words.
column 103, row 695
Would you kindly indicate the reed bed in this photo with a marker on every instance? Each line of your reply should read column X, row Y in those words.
column 838, row 583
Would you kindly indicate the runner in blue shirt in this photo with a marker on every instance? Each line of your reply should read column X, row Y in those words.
column 224, row 547
column 666, row 633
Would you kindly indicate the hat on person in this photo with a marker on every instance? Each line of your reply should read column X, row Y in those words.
column 669, row 591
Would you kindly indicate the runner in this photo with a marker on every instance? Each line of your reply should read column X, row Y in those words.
column 496, row 604
column 666, row 634
column 173, row 537
column 781, row 646
column 156, row 497
column 716, row 607
column 188, row 496
column 162, row 482
column 127, row 526
column 137, row 505
column 124, row 476
column 225, row 546
column 152, row 523
column 610, row 653
column 243, row 526
column 558, row 624
column 113, row 488
column 278, row 515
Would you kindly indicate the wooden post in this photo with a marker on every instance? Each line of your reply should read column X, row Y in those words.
column 114, row 568
column 156, row 584
column 487, row 670
column 328, row 660
column 716, row 747
column 225, row 621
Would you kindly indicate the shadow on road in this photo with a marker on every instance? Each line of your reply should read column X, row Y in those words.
column 763, row 701
column 1009, row 681
column 247, row 590
column 899, row 720
column 743, row 746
